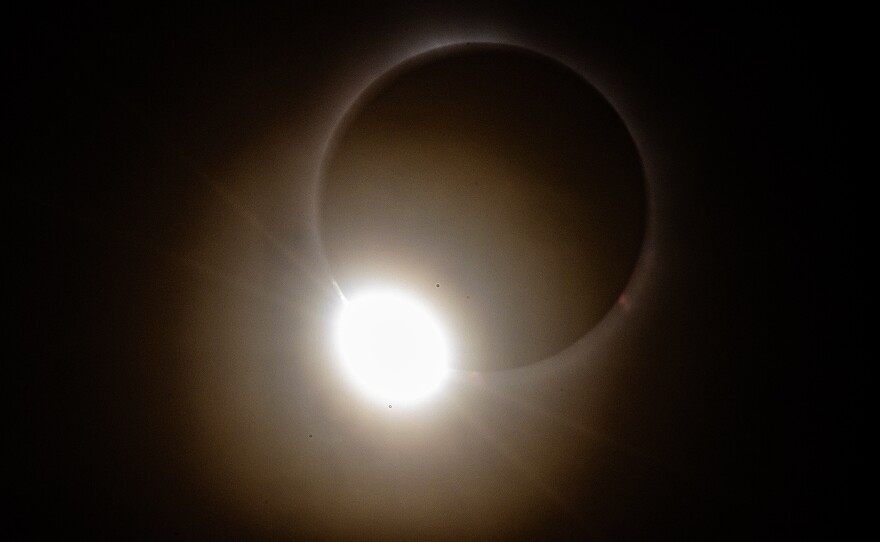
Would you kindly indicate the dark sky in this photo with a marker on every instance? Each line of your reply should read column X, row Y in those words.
column 174, row 379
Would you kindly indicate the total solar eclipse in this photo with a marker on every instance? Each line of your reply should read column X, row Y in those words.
column 499, row 173
column 426, row 270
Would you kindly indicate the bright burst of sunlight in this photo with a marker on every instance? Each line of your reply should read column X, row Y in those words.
column 392, row 347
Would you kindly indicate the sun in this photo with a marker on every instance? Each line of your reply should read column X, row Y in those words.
column 391, row 346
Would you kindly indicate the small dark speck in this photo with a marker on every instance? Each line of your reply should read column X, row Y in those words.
column 438, row 285
column 389, row 406
column 310, row 435
column 468, row 297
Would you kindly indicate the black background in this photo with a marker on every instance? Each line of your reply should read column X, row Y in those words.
column 122, row 123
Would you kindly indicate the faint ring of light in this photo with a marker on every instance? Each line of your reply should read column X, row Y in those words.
column 637, row 274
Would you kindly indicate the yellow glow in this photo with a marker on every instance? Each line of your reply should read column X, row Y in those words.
column 392, row 348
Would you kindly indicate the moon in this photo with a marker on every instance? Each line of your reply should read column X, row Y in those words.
column 502, row 175
column 391, row 346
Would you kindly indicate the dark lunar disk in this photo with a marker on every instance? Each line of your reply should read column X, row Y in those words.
column 503, row 173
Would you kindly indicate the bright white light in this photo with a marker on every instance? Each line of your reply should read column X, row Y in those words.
column 391, row 347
